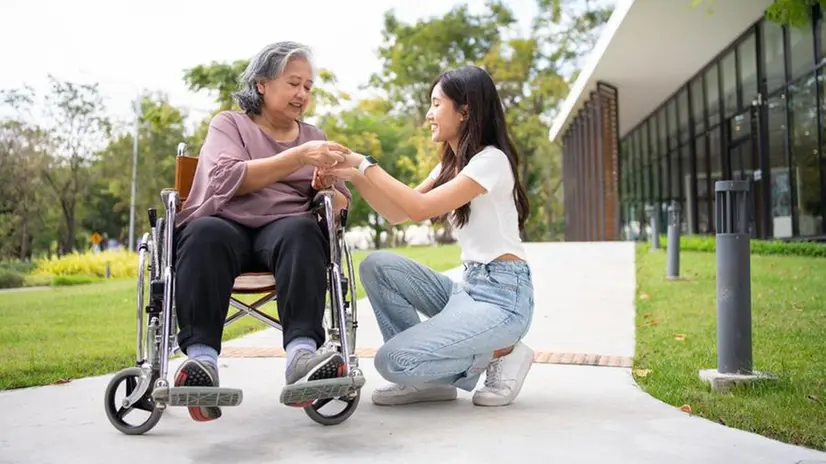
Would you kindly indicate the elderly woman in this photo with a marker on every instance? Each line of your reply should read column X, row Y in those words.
column 249, row 210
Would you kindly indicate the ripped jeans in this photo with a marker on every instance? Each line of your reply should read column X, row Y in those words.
column 491, row 308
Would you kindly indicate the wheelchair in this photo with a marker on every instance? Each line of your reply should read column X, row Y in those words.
column 147, row 385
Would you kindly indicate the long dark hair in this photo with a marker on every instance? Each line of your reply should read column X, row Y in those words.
column 485, row 126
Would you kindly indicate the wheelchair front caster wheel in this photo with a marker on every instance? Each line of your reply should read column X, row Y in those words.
column 346, row 406
column 117, row 413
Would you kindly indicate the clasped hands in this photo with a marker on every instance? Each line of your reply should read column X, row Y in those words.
column 332, row 161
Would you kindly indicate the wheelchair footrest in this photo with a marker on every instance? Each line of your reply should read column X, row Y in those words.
column 199, row 396
column 321, row 389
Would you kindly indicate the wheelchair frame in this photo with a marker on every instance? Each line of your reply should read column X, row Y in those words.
column 147, row 384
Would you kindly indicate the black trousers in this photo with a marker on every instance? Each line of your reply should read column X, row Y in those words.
column 212, row 251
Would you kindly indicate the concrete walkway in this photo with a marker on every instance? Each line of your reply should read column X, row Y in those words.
column 566, row 413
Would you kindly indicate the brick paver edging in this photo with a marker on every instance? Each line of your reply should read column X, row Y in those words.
column 540, row 357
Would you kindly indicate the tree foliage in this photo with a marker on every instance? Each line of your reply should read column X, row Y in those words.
column 62, row 181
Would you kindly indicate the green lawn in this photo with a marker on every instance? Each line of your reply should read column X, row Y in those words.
column 73, row 332
column 676, row 337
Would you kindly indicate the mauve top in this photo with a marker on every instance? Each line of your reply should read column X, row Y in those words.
column 233, row 138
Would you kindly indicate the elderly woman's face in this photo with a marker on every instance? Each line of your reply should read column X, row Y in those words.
column 288, row 95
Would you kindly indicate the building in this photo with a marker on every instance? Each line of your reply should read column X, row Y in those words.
column 674, row 98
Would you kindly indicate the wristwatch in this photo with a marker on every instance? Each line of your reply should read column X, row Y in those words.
column 366, row 163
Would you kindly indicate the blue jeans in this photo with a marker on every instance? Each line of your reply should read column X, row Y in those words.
column 491, row 308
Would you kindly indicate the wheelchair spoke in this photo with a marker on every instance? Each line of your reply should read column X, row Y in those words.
column 122, row 412
column 322, row 402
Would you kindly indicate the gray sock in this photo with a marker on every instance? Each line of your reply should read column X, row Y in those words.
column 299, row 343
column 203, row 353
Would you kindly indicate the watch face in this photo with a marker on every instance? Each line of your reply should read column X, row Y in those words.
column 371, row 159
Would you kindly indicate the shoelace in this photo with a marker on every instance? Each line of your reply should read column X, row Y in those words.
column 494, row 374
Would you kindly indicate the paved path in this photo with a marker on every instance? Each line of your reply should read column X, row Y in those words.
column 566, row 413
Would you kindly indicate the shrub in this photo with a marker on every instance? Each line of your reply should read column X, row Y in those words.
column 121, row 264
column 11, row 279
column 67, row 280
column 707, row 243
column 20, row 267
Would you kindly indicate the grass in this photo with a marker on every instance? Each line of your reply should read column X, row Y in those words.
column 63, row 333
column 676, row 337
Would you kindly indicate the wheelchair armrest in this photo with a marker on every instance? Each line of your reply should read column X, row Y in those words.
column 319, row 208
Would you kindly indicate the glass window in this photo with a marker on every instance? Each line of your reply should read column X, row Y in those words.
column 712, row 96
column 643, row 141
column 676, row 181
column 654, row 168
column 663, row 149
column 683, row 112
column 805, row 154
column 635, row 169
column 774, row 56
column 729, row 68
column 715, row 163
column 673, row 125
column 747, row 57
column 801, row 50
column 704, row 192
column 698, row 105
column 687, row 189
column 661, row 128
column 781, row 192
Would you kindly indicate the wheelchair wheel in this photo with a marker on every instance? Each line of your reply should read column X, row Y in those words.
column 117, row 414
column 346, row 407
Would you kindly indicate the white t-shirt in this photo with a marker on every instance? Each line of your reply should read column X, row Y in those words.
column 493, row 226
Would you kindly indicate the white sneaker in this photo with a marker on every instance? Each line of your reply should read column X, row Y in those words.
column 394, row 395
column 504, row 377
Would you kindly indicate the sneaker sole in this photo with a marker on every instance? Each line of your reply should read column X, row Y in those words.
column 193, row 375
column 303, row 394
column 412, row 399
column 506, row 400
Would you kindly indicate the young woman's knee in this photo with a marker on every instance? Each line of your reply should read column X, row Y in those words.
column 372, row 269
column 392, row 364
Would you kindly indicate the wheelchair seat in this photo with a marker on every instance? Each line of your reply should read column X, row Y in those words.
column 254, row 282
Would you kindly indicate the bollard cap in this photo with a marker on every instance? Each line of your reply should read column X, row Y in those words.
column 731, row 186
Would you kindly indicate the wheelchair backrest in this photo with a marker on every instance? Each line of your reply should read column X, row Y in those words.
column 185, row 167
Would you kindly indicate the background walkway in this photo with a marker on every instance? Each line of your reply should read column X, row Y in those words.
column 567, row 412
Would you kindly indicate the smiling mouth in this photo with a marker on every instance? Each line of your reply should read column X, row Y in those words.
column 296, row 105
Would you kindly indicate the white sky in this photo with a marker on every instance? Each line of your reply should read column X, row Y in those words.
column 128, row 46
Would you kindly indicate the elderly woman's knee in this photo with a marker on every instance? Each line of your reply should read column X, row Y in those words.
column 303, row 230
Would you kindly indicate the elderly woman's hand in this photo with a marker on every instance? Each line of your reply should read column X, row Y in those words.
column 322, row 153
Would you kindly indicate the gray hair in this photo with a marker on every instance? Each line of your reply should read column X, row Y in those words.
column 269, row 63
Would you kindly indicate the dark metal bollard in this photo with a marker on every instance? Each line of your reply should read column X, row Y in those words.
column 734, row 353
column 673, row 265
column 655, row 227
column 108, row 270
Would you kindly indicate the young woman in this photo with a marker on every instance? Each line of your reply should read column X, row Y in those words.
column 476, row 325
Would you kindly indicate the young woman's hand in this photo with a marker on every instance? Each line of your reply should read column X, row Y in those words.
column 353, row 159
column 343, row 173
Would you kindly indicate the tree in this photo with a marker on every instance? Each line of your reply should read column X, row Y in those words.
column 794, row 13
column 161, row 128
column 79, row 129
column 22, row 158
column 414, row 55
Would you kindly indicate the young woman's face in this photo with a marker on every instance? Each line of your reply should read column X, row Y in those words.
column 444, row 117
